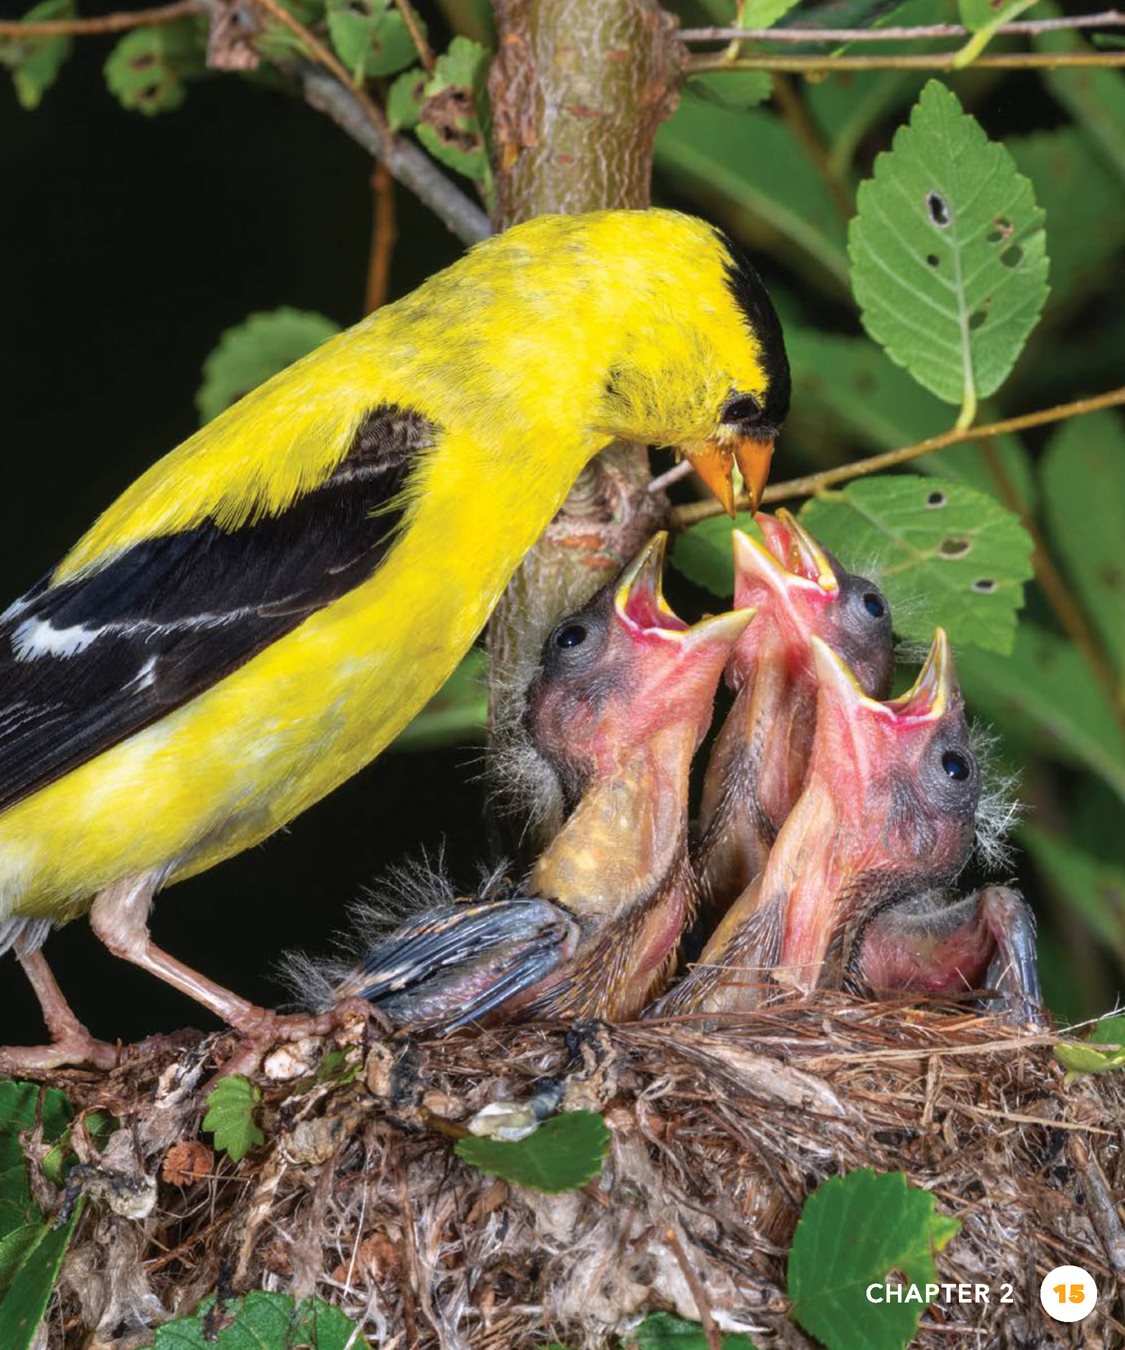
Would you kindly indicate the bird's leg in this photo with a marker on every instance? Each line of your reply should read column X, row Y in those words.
column 985, row 941
column 70, row 1043
column 119, row 917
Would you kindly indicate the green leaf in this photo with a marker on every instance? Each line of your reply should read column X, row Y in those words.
column 458, row 712
column 1085, row 1057
column 264, row 1321
column 761, row 13
column 748, row 168
column 854, row 1231
column 455, row 117
column 563, row 1154
column 30, row 1250
column 945, row 554
column 948, row 253
column 231, row 1104
column 1095, row 889
column 1084, row 487
column 847, row 390
column 276, row 42
column 1044, row 698
column 370, row 37
column 731, row 89
column 149, row 67
column 405, row 98
column 1081, row 198
column 1094, row 98
column 19, row 1105
column 665, row 1331
column 30, row 1259
column 254, row 350
column 983, row 18
column 35, row 62
column 702, row 553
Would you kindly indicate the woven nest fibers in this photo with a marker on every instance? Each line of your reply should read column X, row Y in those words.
column 720, row 1129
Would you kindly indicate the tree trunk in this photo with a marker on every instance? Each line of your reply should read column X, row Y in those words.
column 578, row 89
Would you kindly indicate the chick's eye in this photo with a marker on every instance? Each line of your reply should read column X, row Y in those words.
column 956, row 766
column 741, row 409
column 570, row 635
column 875, row 605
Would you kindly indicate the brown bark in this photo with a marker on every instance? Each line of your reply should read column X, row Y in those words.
column 578, row 89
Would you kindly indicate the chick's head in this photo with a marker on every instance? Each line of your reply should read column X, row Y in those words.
column 622, row 671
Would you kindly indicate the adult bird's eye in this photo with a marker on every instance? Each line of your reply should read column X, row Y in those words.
column 955, row 765
column 571, row 635
column 741, row 409
column 875, row 605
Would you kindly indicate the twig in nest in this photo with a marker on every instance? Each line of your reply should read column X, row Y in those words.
column 695, row 1284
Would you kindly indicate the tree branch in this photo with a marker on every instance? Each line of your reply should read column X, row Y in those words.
column 941, row 61
column 105, row 23
column 406, row 162
column 817, row 482
column 1110, row 18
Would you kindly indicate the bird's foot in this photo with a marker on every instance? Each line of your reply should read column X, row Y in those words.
column 261, row 1030
column 72, row 1046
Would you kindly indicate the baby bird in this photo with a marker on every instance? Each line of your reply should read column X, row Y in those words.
column 621, row 701
column 758, row 763
column 887, row 811
column 938, row 947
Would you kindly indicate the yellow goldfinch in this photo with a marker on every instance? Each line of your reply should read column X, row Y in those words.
column 264, row 609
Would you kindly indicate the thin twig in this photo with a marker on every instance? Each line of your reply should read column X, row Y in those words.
column 817, row 482
column 105, row 23
column 947, row 61
column 417, row 36
column 1110, row 18
column 407, row 162
column 384, row 232
column 711, row 1333
column 323, row 57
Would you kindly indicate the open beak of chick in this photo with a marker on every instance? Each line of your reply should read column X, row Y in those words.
column 890, row 800
column 714, row 461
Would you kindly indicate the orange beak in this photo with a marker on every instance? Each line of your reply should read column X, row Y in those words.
column 714, row 460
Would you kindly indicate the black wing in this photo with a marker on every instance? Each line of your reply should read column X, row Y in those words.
column 89, row 662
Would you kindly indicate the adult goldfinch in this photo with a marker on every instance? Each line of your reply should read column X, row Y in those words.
column 621, row 701
column 264, row 609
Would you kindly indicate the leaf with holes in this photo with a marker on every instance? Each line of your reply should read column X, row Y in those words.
column 457, row 714
column 948, row 253
column 563, row 1154
column 255, row 349
column 665, row 1331
column 848, row 395
column 454, row 120
column 944, row 553
column 1084, row 487
column 1045, row 699
column 762, row 185
column 261, row 1320
column 370, row 37
column 231, row 1104
column 887, row 1226
column 35, row 62
column 149, row 68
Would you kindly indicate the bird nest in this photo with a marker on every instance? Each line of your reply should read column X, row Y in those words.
column 720, row 1129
